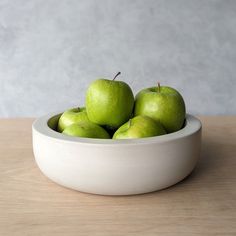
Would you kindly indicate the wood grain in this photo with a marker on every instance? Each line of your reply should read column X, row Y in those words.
column 202, row 204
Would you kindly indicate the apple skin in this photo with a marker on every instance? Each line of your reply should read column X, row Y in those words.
column 109, row 102
column 163, row 104
column 139, row 127
column 72, row 116
column 86, row 129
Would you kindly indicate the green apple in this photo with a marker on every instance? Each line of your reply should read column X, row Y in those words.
column 109, row 102
column 163, row 104
column 72, row 116
column 139, row 127
column 86, row 129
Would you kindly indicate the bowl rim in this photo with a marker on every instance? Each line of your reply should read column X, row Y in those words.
column 40, row 125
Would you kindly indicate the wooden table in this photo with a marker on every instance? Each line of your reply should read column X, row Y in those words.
column 202, row 204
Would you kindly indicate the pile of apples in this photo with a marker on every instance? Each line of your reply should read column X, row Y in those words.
column 112, row 112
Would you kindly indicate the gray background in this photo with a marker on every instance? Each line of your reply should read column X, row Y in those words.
column 51, row 50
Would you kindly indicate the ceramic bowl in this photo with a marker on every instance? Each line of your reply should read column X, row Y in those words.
column 116, row 167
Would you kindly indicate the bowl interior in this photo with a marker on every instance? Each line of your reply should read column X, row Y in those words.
column 53, row 121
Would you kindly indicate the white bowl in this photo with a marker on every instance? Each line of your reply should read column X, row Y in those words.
column 116, row 167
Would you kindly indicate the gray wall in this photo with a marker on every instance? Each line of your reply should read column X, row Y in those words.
column 51, row 50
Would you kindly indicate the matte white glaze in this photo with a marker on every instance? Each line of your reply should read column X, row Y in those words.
column 116, row 167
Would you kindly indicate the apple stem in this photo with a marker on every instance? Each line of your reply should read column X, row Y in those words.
column 129, row 122
column 116, row 75
column 158, row 87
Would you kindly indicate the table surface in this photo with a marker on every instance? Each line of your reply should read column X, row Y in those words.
column 202, row 204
